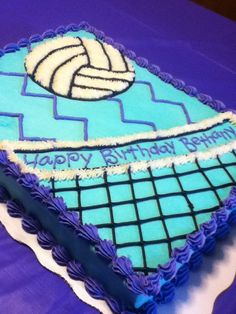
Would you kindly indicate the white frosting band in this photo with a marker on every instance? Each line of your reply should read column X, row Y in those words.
column 108, row 141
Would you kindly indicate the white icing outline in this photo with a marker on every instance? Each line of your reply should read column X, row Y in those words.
column 15, row 230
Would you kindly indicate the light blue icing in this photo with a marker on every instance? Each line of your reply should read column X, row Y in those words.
column 155, row 149
column 104, row 116
column 148, row 209
column 104, row 119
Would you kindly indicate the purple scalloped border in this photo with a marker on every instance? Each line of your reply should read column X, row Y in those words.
column 159, row 285
column 59, row 253
column 192, row 91
column 174, row 272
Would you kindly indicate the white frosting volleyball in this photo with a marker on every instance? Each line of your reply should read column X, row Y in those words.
column 79, row 68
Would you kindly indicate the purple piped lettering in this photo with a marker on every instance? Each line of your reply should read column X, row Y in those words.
column 108, row 157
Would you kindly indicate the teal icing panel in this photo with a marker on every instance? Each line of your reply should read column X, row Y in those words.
column 9, row 128
column 179, row 205
column 150, row 229
column 48, row 116
column 123, row 213
column 179, row 226
column 148, row 209
column 96, row 216
column 134, row 253
column 127, row 234
column 93, row 196
column 156, row 252
column 152, row 226
column 13, row 62
column 136, row 101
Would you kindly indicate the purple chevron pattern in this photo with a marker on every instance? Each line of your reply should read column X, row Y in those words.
column 124, row 119
column 84, row 120
column 55, row 111
column 174, row 103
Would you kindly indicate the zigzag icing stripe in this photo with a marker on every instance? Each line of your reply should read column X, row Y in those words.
column 169, row 102
column 114, row 170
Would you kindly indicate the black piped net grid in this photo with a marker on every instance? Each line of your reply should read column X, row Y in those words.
column 146, row 214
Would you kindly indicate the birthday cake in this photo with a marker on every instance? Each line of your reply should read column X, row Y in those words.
column 126, row 174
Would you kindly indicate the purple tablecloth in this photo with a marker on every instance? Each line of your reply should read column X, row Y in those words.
column 186, row 40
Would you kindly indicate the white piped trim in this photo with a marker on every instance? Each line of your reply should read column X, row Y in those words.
column 108, row 141
column 71, row 174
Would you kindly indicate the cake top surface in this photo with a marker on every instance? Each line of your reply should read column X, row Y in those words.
column 137, row 153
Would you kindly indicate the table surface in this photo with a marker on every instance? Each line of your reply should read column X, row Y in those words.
column 184, row 39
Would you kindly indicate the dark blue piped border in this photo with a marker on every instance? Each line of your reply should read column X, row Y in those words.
column 142, row 62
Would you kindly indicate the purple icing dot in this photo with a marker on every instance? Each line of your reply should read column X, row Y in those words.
column 123, row 266
column 61, row 30
column 209, row 227
column 130, row 54
column 179, row 84
column 70, row 219
column 153, row 283
column 196, row 240
column 142, row 62
column 169, row 269
column 84, row 25
column 218, row 105
column 206, row 99
column 28, row 180
column 12, row 170
column 99, row 34
column 166, row 77
column 14, row 209
column 190, row 90
column 95, row 289
column 30, row 225
column 155, row 69
column 12, row 47
column 119, row 46
column 3, row 158
column 137, row 283
column 2, row 52
column 49, row 34
column 35, row 38
column 41, row 193
column 221, row 216
column 72, row 27
column 45, row 240
column 106, row 249
column 75, row 270
column 89, row 232
column 60, row 255
column 182, row 254
column 23, row 42
column 56, row 204
column 109, row 40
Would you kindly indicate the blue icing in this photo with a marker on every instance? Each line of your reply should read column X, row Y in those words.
column 149, row 209
column 104, row 118
column 13, row 62
column 141, row 114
